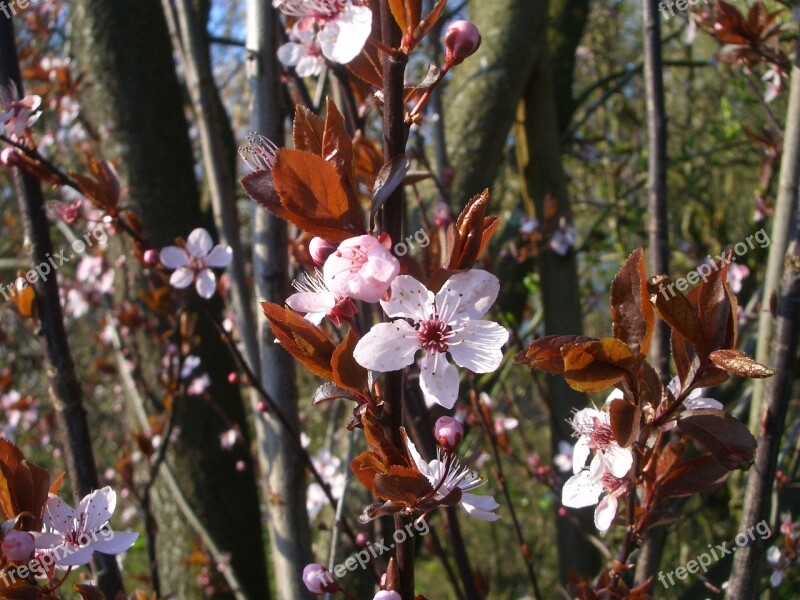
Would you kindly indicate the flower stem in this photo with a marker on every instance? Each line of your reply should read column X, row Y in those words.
column 395, row 135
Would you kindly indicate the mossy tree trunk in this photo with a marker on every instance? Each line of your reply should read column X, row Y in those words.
column 133, row 100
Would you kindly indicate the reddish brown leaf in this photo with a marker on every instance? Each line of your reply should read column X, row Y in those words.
column 347, row 373
column 725, row 437
column 625, row 419
column 739, row 363
column 631, row 312
column 303, row 340
column 669, row 456
column 313, row 196
column 596, row 365
column 429, row 21
column 682, row 354
column 676, row 310
column 713, row 305
column 468, row 236
column 367, row 67
column 402, row 484
column 308, row 130
column 398, row 9
column 337, row 147
column 700, row 474
column 545, row 353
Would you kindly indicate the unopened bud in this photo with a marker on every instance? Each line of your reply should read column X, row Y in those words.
column 151, row 258
column 17, row 546
column 233, row 378
column 387, row 595
column 461, row 40
column 320, row 250
column 448, row 432
column 361, row 539
column 10, row 157
column 318, row 579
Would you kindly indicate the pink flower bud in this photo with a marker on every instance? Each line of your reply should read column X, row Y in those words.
column 17, row 546
column 233, row 378
column 263, row 406
column 361, row 539
column 387, row 595
column 318, row 579
column 320, row 250
column 461, row 40
column 448, row 432
column 10, row 157
column 151, row 258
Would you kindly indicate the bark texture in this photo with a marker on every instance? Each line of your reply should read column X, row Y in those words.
column 133, row 99
column 282, row 467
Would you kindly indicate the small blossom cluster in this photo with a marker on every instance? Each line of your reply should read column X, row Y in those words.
column 607, row 472
column 335, row 30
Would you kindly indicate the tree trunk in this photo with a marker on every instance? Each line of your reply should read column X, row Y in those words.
column 133, row 99
column 482, row 101
column 560, row 294
column 282, row 467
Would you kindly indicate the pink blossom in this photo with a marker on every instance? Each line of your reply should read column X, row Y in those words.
column 194, row 263
column 341, row 27
column 563, row 238
column 17, row 115
column 317, row 301
column 75, row 534
column 361, row 268
column 585, row 488
column 593, row 428
column 445, row 323
column 446, row 474
column 302, row 52
column 736, row 274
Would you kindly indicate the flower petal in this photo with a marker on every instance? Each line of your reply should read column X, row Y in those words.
column 96, row 509
column 605, row 512
column 199, row 242
column 438, row 379
column 291, row 53
column 421, row 463
column 173, row 257
column 59, row 515
column 310, row 66
column 480, row 506
column 342, row 39
column 387, row 347
column 478, row 346
column 206, row 283
column 114, row 542
column 580, row 453
column 182, row 278
column 618, row 460
column 68, row 555
column 467, row 295
column 312, row 302
column 219, row 257
column 581, row 490
column 410, row 299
